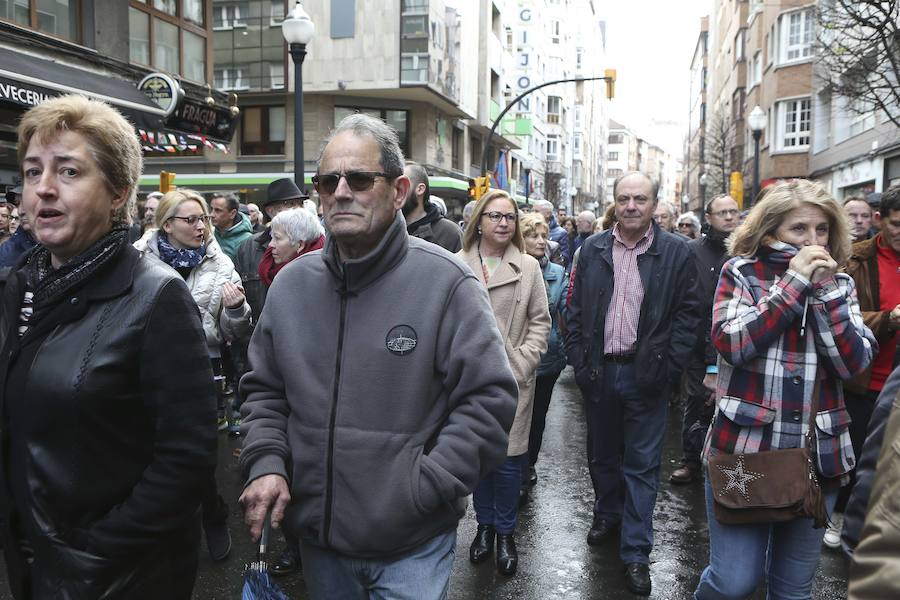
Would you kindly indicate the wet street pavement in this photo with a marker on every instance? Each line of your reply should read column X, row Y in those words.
column 554, row 560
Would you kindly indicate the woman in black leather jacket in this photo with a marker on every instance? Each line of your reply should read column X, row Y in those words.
column 106, row 396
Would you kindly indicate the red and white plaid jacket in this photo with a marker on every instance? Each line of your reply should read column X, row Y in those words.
column 768, row 360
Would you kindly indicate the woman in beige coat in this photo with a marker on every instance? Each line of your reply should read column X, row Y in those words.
column 493, row 247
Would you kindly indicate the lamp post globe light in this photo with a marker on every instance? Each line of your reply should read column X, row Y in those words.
column 757, row 122
column 703, row 180
column 298, row 31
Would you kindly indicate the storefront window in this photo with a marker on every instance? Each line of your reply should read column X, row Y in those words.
column 193, row 11
column 398, row 119
column 167, row 6
column 54, row 17
column 139, row 36
column 169, row 36
column 165, row 52
column 194, row 57
column 263, row 130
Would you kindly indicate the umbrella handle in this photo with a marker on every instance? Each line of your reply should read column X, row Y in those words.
column 264, row 536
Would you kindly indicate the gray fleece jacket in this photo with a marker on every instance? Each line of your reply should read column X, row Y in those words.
column 381, row 390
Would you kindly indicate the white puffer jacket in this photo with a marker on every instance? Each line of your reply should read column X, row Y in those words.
column 205, row 283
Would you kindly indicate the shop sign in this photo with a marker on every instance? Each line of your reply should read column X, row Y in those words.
column 198, row 117
column 163, row 90
column 13, row 91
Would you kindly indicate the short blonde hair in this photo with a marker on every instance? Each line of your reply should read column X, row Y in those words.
column 775, row 203
column 170, row 202
column 472, row 234
column 110, row 137
column 532, row 221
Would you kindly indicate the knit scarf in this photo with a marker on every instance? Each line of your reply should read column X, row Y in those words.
column 776, row 252
column 178, row 258
column 50, row 285
column 268, row 268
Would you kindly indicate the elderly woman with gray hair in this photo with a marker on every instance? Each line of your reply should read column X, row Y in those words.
column 294, row 233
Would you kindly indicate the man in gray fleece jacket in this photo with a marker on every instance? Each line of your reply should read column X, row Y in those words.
column 379, row 392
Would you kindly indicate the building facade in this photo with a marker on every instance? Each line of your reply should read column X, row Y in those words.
column 104, row 49
column 694, row 192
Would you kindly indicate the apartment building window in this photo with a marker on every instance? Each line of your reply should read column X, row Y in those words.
column 553, row 109
column 616, row 138
column 509, row 37
column 739, row 45
column 169, row 35
column 796, row 35
column 229, row 16
column 230, row 78
column 577, row 144
column 343, row 19
column 552, row 147
column 579, row 116
column 554, row 31
column 413, row 6
column 456, row 150
column 756, row 69
column 398, row 119
column 579, row 59
column 276, row 76
column 59, row 18
column 614, row 172
column 263, row 130
column 793, row 124
column 613, row 156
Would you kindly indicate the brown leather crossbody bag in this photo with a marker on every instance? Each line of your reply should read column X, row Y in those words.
column 769, row 486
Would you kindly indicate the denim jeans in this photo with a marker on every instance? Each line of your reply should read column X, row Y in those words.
column 625, row 435
column 496, row 499
column 741, row 556
column 422, row 573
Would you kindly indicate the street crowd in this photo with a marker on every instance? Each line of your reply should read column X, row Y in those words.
column 382, row 363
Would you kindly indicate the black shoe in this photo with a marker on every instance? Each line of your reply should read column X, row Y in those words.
column 532, row 475
column 218, row 540
column 482, row 545
column 637, row 578
column 601, row 530
column 288, row 562
column 523, row 495
column 507, row 556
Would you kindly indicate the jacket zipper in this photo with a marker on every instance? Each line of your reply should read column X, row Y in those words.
column 329, row 469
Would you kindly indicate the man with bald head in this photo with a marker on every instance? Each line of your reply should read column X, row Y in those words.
column 632, row 278
column 557, row 233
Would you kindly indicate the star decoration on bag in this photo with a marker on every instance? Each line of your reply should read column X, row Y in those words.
column 738, row 478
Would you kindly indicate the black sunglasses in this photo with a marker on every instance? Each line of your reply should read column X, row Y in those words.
column 359, row 181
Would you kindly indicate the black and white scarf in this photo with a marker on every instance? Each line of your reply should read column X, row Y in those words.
column 48, row 285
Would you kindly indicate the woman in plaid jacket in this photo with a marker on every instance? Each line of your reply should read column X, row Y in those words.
column 783, row 316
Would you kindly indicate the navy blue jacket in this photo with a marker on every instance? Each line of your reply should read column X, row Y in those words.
column 669, row 314
column 20, row 243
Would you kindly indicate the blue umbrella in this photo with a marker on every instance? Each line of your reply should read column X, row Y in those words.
column 258, row 584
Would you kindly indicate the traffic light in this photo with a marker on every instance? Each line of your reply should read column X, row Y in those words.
column 737, row 188
column 610, row 74
column 166, row 181
column 478, row 187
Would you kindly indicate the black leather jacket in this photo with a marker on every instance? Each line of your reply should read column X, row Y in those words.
column 107, row 434
column 667, row 327
column 249, row 255
column 709, row 255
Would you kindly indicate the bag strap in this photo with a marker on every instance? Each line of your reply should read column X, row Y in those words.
column 813, row 409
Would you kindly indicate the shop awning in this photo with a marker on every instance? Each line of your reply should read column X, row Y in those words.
column 27, row 81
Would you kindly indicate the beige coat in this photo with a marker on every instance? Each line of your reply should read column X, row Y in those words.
column 875, row 572
column 519, row 299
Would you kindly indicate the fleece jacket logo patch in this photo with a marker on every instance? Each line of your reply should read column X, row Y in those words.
column 401, row 340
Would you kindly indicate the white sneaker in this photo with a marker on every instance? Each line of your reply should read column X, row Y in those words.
column 832, row 537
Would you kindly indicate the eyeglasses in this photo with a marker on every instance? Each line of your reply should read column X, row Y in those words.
column 13, row 218
column 192, row 220
column 496, row 216
column 359, row 181
column 729, row 212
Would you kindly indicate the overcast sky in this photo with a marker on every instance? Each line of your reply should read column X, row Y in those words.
column 650, row 43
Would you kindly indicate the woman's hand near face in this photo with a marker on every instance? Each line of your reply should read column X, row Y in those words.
column 232, row 295
column 814, row 263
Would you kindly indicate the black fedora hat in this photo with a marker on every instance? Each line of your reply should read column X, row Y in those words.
column 281, row 190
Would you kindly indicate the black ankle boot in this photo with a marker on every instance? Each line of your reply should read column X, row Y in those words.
column 507, row 557
column 482, row 545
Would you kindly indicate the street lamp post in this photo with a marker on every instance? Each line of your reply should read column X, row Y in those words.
column 298, row 30
column 527, row 187
column 757, row 122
